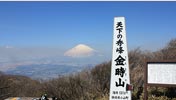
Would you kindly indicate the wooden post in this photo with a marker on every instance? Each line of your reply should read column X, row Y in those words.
column 145, row 92
column 145, row 83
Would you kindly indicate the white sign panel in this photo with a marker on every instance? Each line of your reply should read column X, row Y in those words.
column 120, row 68
column 161, row 73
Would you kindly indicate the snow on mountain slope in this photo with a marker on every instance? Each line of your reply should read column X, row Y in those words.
column 80, row 50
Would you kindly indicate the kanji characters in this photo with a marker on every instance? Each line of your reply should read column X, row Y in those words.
column 119, row 27
column 120, row 71
column 120, row 60
column 120, row 83
column 120, row 50
column 119, row 24
column 119, row 42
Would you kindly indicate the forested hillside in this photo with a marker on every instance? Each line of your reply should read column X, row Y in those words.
column 94, row 84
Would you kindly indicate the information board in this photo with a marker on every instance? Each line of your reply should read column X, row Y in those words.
column 161, row 73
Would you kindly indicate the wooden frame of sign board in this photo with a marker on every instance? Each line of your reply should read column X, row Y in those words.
column 159, row 78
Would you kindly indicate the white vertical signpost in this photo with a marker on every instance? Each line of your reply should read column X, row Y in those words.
column 120, row 78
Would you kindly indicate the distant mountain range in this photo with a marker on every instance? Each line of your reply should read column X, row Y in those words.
column 46, row 71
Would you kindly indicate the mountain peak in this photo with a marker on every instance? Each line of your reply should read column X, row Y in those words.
column 80, row 50
column 83, row 47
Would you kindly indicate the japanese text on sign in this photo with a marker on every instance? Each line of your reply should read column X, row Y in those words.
column 119, row 69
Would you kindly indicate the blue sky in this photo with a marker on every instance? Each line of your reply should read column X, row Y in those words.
column 150, row 25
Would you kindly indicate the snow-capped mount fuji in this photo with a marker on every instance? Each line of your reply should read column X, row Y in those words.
column 80, row 50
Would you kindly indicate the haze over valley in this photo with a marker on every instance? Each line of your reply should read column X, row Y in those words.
column 48, row 63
